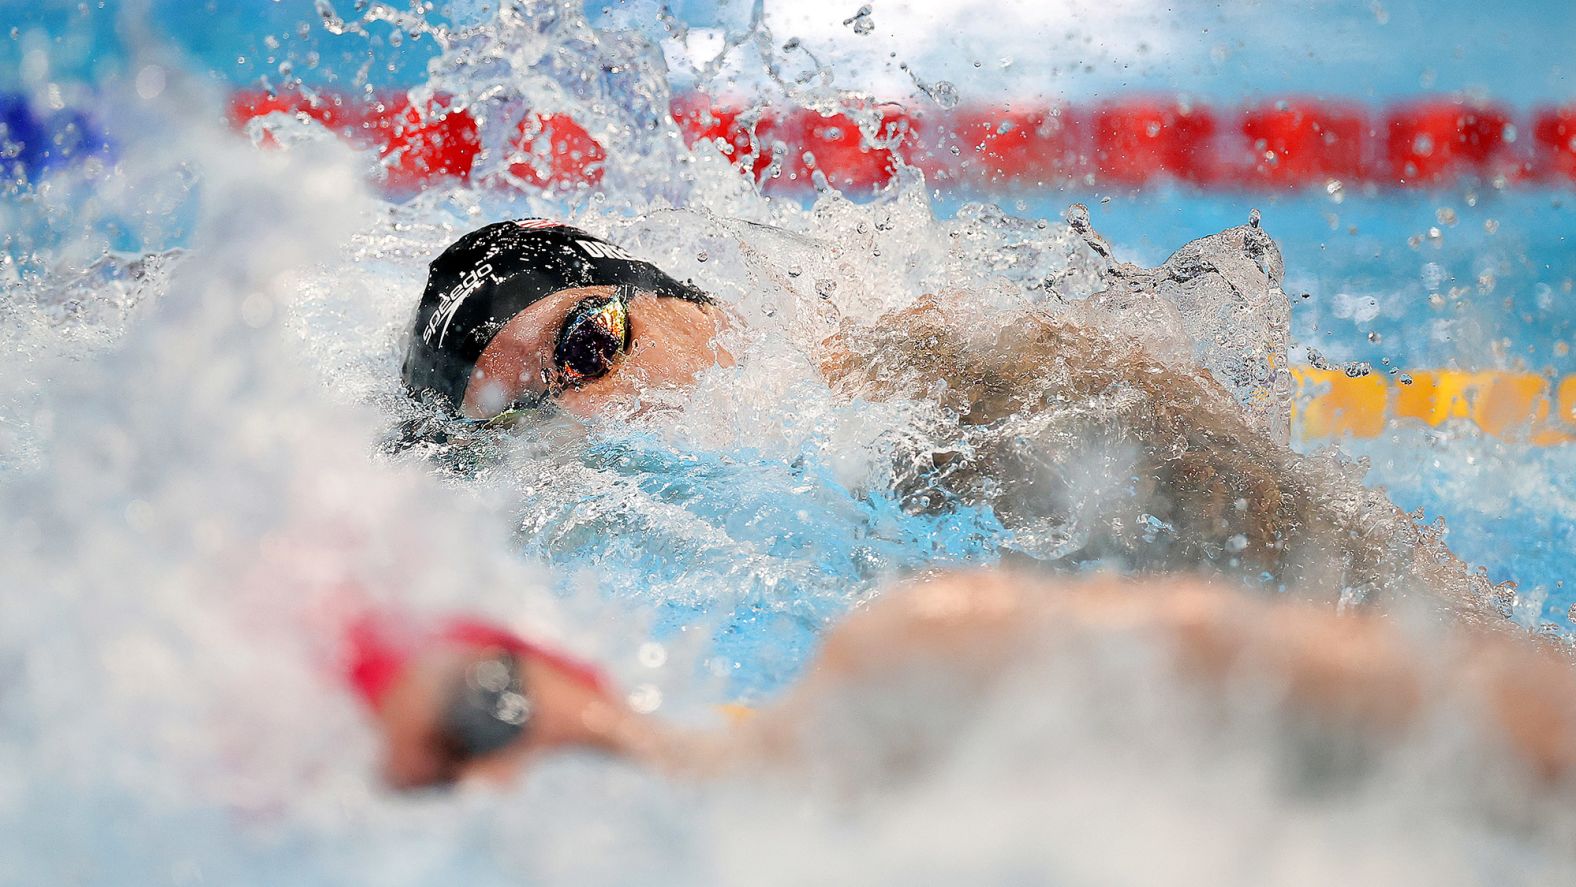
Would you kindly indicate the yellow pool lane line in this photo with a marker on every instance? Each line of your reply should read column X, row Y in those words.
column 1525, row 407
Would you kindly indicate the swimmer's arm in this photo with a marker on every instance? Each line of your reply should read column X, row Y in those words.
column 997, row 368
column 1353, row 671
column 1360, row 672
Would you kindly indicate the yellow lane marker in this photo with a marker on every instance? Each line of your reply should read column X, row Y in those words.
column 1524, row 407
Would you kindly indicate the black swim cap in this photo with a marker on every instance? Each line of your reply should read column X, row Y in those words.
column 493, row 273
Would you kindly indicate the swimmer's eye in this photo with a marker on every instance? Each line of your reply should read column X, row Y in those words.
column 594, row 336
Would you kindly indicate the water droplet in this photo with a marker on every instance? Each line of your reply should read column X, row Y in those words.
column 944, row 94
column 861, row 22
column 653, row 655
column 702, row 256
column 645, row 699
column 150, row 81
column 332, row 23
column 825, row 287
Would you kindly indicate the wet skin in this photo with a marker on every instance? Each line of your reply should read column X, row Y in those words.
column 1356, row 673
column 565, row 711
column 673, row 341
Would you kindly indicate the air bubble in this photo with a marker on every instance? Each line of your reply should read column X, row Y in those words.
column 652, row 655
column 645, row 699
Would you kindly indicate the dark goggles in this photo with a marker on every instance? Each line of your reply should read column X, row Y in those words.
column 487, row 709
column 594, row 336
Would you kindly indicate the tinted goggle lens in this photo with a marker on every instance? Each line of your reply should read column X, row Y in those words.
column 488, row 709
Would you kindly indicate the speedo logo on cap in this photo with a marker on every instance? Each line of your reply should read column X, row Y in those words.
column 598, row 250
column 451, row 301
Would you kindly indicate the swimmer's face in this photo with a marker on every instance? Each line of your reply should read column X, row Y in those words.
column 420, row 751
column 588, row 347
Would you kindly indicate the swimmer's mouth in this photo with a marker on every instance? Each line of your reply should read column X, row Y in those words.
column 528, row 404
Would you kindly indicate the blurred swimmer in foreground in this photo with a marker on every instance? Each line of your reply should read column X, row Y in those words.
column 1090, row 448
column 469, row 701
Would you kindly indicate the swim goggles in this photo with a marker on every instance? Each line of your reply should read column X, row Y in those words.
column 487, row 708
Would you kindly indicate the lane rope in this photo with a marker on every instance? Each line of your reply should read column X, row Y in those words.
column 1128, row 142
column 1514, row 406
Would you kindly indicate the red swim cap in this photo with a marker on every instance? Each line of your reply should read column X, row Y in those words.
column 378, row 647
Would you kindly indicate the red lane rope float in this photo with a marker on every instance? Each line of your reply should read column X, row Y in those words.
column 1435, row 141
column 1295, row 143
column 1555, row 134
column 1126, row 143
column 800, row 146
column 417, row 141
column 1136, row 141
column 553, row 151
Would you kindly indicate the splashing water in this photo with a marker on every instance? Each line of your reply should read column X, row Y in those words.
column 193, row 472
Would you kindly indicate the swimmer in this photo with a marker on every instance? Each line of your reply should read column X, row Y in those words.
column 1089, row 448
column 519, row 313
column 470, row 702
